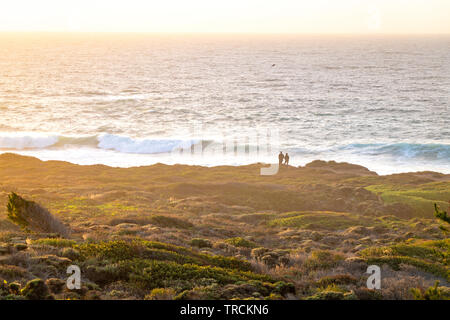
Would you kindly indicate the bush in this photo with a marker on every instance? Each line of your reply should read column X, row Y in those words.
column 30, row 216
column 327, row 295
column 432, row 293
column 200, row 243
column 110, row 250
column 429, row 256
column 36, row 290
column 8, row 271
column 55, row 285
column 14, row 288
column 55, row 242
column 341, row 279
column 323, row 259
column 258, row 253
column 368, row 294
column 122, row 250
column 157, row 274
column 169, row 222
column 103, row 275
column 161, row 294
column 240, row 242
column 70, row 253
column 441, row 214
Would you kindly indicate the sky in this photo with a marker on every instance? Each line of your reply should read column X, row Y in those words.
column 228, row 16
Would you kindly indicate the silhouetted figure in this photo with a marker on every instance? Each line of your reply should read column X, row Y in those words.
column 286, row 159
column 280, row 158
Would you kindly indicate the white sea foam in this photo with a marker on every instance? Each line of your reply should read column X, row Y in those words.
column 141, row 146
column 20, row 141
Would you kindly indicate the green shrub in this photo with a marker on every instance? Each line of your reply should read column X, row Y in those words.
column 368, row 294
column 14, row 207
column 258, row 253
column 340, row 279
column 71, row 253
column 157, row 274
column 55, row 242
column 9, row 271
column 30, row 216
column 110, row 250
column 170, row 222
column 322, row 220
column 240, row 242
column 429, row 256
column 322, row 259
column 200, row 243
column 36, row 290
column 161, row 294
column 327, row 295
column 441, row 214
column 396, row 261
column 55, row 285
column 432, row 293
column 14, row 288
column 122, row 250
column 103, row 275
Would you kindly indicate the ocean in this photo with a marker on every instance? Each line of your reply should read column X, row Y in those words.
column 137, row 99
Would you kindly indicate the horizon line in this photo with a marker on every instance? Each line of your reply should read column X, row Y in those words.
column 222, row 33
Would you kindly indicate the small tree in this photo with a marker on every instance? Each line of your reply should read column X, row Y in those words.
column 441, row 214
column 30, row 216
column 432, row 293
column 14, row 207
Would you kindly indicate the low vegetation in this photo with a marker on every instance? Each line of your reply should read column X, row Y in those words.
column 188, row 232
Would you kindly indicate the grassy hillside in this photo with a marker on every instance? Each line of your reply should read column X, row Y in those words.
column 190, row 232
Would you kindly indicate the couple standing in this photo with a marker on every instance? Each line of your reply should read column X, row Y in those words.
column 284, row 157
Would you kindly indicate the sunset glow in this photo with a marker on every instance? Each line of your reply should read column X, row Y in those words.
column 248, row 16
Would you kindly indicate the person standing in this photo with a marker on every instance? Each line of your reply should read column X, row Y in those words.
column 280, row 158
column 286, row 159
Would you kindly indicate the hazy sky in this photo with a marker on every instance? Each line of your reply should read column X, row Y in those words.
column 249, row 16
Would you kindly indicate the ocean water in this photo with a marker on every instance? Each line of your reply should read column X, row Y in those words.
column 130, row 100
